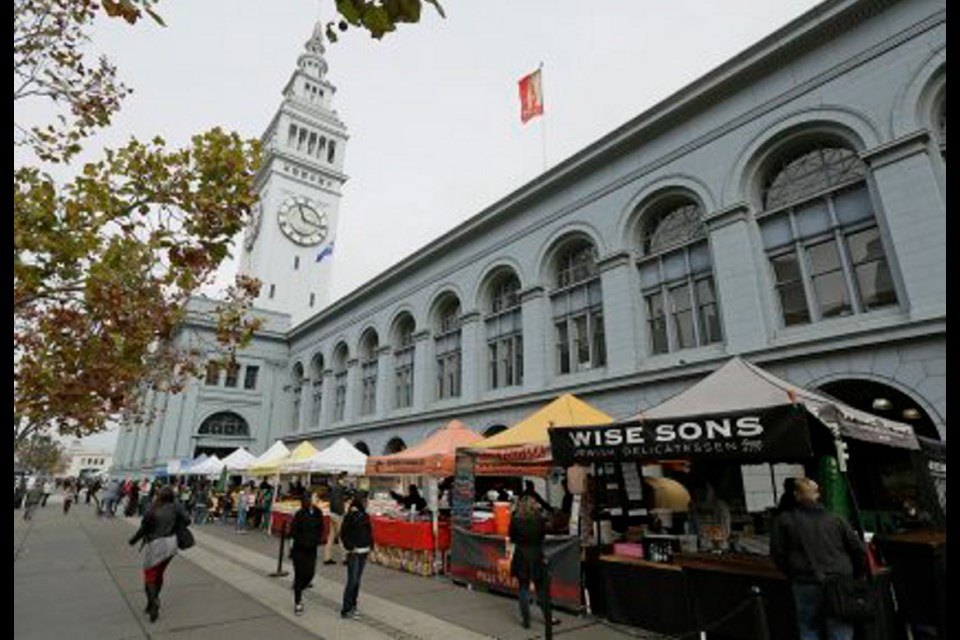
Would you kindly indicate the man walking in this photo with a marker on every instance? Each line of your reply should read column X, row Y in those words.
column 337, row 499
column 357, row 535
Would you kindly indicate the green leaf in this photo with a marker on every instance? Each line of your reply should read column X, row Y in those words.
column 156, row 17
column 377, row 21
column 410, row 9
column 349, row 11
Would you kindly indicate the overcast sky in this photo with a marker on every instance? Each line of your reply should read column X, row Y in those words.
column 432, row 110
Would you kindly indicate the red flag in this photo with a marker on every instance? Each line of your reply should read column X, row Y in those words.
column 531, row 97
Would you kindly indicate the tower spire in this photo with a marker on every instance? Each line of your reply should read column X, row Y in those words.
column 311, row 61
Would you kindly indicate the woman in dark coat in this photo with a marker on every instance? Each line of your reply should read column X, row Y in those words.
column 306, row 531
column 527, row 533
column 158, row 531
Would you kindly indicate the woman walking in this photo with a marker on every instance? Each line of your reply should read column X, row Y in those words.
column 306, row 531
column 158, row 530
column 357, row 538
column 527, row 533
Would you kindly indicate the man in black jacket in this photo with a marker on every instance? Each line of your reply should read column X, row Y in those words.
column 357, row 538
column 306, row 532
column 811, row 545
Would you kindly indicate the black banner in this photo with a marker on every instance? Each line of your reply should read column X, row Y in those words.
column 761, row 435
column 482, row 560
column 461, row 498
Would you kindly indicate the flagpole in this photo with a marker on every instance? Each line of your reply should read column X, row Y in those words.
column 543, row 120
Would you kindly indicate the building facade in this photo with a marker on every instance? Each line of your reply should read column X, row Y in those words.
column 789, row 207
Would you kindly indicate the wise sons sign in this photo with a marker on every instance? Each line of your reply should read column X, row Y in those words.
column 768, row 434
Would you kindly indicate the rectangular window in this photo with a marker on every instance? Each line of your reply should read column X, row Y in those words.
column 213, row 374
column 368, row 403
column 874, row 282
column 599, row 339
column 340, row 404
column 331, row 151
column 658, row 323
column 313, row 299
column 316, row 408
column 829, row 284
column 563, row 348
column 296, row 262
column 403, row 373
column 682, row 310
column 789, row 284
column 708, row 315
column 273, row 290
column 233, row 376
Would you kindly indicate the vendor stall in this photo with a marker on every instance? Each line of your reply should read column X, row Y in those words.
column 738, row 414
column 412, row 542
column 479, row 552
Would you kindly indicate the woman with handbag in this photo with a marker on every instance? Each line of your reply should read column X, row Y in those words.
column 161, row 530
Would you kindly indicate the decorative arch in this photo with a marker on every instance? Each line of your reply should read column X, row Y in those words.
column 362, row 447
column 691, row 186
column 937, row 421
column 838, row 122
column 917, row 97
column 224, row 423
column 548, row 251
column 394, row 445
column 493, row 430
column 491, row 270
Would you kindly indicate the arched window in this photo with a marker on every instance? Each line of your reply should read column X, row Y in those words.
column 225, row 423
column 821, row 236
column 403, row 357
column 493, row 430
column 368, row 372
column 448, row 347
column 396, row 445
column 504, row 331
column 577, row 305
column 297, row 388
column 340, row 357
column 676, row 275
column 316, row 406
column 362, row 447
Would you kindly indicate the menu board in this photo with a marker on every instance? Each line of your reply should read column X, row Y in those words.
column 461, row 503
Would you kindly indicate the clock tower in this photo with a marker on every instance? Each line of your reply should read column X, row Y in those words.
column 289, row 245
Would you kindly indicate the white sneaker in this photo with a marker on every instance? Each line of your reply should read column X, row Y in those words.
column 298, row 609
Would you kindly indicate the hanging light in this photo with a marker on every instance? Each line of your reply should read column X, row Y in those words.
column 882, row 404
column 911, row 414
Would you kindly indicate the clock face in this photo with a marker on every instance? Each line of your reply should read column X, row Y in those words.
column 303, row 221
column 253, row 229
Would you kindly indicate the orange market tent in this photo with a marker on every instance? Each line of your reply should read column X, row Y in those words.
column 524, row 449
column 434, row 456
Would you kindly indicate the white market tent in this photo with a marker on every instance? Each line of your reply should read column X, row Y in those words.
column 339, row 457
column 740, row 385
column 212, row 466
column 239, row 460
column 265, row 464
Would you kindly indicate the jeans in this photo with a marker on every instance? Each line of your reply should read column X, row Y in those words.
column 200, row 515
column 525, row 600
column 808, row 597
column 355, row 564
column 241, row 519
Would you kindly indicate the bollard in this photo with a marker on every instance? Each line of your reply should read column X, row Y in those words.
column 279, row 573
column 759, row 615
column 547, row 603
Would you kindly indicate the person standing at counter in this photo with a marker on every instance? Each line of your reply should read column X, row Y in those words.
column 412, row 499
column 305, row 531
column 357, row 537
column 811, row 545
column 527, row 533
column 709, row 517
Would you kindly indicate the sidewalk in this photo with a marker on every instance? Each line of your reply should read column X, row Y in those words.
column 76, row 577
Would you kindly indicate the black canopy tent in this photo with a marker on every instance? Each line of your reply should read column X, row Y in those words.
column 739, row 412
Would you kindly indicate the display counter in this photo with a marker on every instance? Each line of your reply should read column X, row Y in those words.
column 281, row 517
column 409, row 546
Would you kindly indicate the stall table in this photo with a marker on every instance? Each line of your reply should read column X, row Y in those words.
column 641, row 593
column 408, row 546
